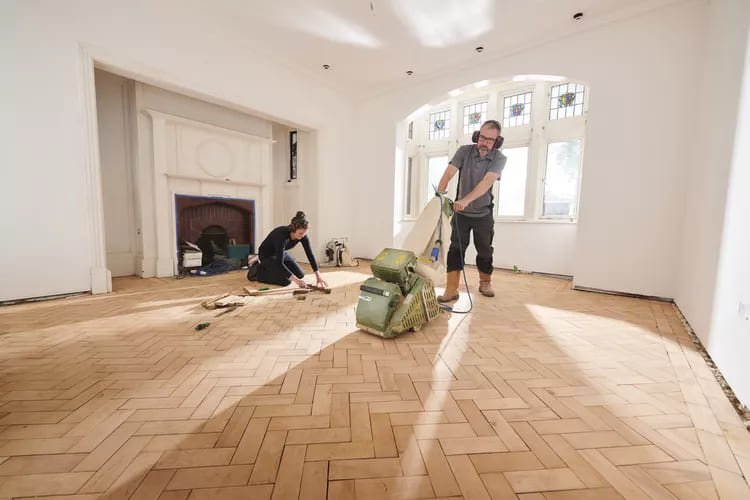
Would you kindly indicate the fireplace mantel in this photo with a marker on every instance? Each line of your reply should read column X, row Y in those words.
column 195, row 158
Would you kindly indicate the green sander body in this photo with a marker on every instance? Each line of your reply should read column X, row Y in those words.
column 396, row 298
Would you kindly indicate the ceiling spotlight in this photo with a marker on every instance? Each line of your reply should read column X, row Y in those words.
column 410, row 72
column 577, row 16
column 481, row 83
column 479, row 49
column 455, row 92
column 326, row 66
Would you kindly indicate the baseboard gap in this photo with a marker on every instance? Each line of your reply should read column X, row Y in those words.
column 623, row 294
column 741, row 409
column 552, row 275
column 43, row 298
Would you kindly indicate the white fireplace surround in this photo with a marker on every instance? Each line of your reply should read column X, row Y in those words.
column 196, row 158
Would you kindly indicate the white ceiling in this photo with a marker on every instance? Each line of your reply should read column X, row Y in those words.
column 370, row 50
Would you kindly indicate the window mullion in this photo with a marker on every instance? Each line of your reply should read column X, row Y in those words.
column 537, row 145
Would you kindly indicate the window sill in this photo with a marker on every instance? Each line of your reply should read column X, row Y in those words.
column 512, row 221
column 536, row 221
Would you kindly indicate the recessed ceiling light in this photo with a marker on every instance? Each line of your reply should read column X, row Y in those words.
column 326, row 66
column 481, row 83
column 455, row 92
column 409, row 72
column 577, row 16
column 479, row 49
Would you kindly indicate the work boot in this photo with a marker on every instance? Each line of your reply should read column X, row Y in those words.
column 451, row 287
column 485, row 287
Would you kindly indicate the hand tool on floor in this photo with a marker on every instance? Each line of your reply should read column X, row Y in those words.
column 283, row 291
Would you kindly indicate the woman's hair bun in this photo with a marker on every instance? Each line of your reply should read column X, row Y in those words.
column 299, row 221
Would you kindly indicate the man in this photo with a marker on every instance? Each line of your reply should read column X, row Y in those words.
column 480, row 165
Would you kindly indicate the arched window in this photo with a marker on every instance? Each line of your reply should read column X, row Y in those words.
column 544, row 123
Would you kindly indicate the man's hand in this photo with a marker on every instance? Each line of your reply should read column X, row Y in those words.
column 301, row 283
column 459, row 206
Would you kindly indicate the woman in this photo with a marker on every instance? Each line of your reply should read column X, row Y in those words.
column 276, row 266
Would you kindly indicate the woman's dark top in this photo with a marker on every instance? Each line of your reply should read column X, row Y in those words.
column 279, row 241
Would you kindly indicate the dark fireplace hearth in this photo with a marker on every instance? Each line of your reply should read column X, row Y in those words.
column 214, row 240
column 216, row 225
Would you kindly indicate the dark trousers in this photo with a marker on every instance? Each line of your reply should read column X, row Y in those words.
column 482, row 230
column 271, row 272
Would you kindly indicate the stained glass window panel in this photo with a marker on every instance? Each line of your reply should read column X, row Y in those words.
column 517, row 110
column 566, row 100
column 474, row 116
column 439, row 125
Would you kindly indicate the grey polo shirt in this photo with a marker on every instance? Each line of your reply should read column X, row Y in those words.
column 472, row 170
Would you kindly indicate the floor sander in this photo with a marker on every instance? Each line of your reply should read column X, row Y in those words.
column 401, row 294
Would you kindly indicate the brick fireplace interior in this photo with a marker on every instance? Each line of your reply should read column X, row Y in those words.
column 209, row 222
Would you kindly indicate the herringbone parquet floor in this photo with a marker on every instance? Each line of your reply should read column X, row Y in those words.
column 540, row 393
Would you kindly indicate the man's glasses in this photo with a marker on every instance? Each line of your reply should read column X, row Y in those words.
column 487, row 139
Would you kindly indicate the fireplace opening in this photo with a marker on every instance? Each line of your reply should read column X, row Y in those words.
column 218, row 226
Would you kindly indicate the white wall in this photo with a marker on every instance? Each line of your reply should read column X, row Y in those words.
column 176, row 48
column 544, row 247
column 116, row 122
column 715, row 271
column 729, row 342
column 165, row 101
column 631, row 210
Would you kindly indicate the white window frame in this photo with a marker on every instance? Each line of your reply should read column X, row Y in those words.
column 549, row 96
column 540, row 204
column 529, row 187
column 520, row 136
column 409, row 187
column 474, row 100
column 560, row 130
column 451, row 125
column 516, row 91
column 536, row 135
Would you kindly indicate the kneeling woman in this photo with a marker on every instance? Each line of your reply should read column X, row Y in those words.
column 276, row 266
